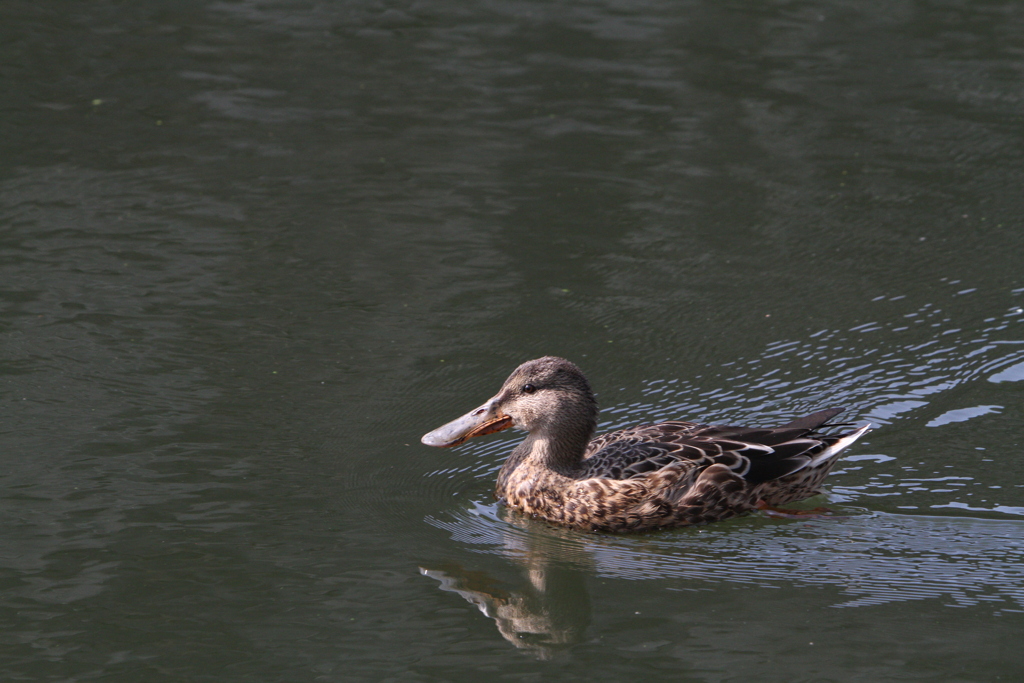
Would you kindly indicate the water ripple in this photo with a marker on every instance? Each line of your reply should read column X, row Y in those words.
column 880, row 376
column 872, row 558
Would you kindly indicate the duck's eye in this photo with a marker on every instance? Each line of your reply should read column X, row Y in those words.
column 529, row 388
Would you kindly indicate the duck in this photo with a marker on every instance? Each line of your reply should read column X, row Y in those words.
column 642, row 478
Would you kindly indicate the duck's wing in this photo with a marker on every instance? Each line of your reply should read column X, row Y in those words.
column 755, row 454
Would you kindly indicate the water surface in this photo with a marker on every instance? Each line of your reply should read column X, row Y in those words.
column 251, row 251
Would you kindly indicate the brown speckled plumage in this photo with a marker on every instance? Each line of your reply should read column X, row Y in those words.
column 646, row 477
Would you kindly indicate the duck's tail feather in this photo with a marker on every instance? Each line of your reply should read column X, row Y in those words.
column 838, row 445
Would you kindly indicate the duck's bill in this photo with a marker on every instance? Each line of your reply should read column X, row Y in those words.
column 484, row 420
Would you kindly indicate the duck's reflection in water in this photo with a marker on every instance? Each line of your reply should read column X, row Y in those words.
column 546, row 608
column 548, row 611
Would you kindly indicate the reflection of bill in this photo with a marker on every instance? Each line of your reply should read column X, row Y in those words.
column 551, row 609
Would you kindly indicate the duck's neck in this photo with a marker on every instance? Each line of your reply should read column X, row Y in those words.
column 556, row 447
column 558, row 438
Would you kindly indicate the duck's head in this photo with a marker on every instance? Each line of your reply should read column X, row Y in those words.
column 549, row 396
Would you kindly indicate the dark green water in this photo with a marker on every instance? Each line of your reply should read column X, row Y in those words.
column 251, row 251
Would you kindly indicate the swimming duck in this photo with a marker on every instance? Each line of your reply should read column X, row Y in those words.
column 646, row 477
